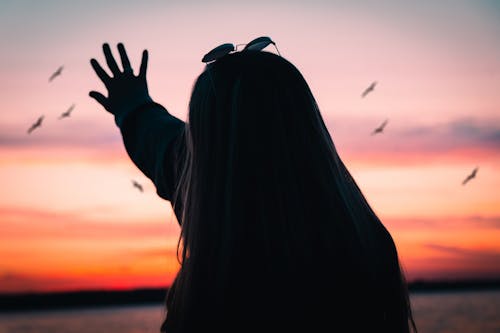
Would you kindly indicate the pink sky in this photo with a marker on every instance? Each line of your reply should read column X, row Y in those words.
column 69, row 216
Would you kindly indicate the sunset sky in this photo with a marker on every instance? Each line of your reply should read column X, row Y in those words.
column 70, row 217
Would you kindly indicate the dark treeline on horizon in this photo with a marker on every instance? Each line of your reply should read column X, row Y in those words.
column 81, row 299
column 145, row 296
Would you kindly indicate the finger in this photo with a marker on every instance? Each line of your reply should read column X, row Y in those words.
column 100, row 72
column 124, row 57
column 144, row 64
column 110, row 59
column 99, row 98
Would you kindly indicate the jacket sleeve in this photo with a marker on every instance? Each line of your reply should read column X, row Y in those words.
column 154, row 140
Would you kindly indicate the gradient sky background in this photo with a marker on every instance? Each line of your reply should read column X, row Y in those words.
column 70, row 217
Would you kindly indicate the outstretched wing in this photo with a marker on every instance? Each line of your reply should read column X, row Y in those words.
column 369, row 89
column 67, row 113
column 137, row 185
column 380, row 129
column 365, row 92
column 56, row 73
column 470, row 176
column 382, row 126
column 38, row 123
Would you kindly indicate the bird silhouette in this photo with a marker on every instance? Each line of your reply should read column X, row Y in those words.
column 56, row 73
column 380, row 129
column 368, row 90
column 36, row 124
column 470, row 176
column 68, row 112
column 138, row 186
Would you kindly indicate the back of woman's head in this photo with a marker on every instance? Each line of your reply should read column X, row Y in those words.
column 272, row 219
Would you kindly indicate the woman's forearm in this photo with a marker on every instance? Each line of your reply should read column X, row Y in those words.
column 151, row 136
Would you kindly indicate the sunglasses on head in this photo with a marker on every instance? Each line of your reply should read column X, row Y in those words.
column 220, row 51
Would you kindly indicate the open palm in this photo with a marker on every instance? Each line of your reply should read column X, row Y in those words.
column 126, row 91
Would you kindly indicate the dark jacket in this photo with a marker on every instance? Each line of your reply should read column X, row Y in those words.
column 155, row 141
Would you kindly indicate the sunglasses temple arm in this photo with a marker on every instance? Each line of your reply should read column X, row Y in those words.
column 277, row 49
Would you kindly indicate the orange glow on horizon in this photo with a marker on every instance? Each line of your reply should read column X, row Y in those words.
column 70, row 218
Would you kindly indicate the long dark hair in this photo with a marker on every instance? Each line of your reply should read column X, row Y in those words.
column 275, row 230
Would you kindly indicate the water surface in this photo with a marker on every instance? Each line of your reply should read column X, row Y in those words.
column 436, row 312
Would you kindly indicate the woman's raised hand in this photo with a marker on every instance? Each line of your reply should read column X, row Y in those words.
column 126, row 91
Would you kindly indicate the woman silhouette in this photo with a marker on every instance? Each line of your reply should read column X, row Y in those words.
column 275, row 233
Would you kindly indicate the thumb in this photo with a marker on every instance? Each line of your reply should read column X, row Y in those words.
column 99, row 98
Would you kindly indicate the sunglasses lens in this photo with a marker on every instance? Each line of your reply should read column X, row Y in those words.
column 258, row 43
column 218, row 52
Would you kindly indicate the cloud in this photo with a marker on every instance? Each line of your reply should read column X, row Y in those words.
column 457, row 134
column 67, row 132
column 461, row 138
column 481, row 221
column 484, row 261
column 28, row 223
column 14, row 282
column 443, row 223
column 454, row 262
column 467, row 253
column 155, row 252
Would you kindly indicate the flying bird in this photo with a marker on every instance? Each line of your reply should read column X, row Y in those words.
column 138, row 186
column 368, row 90
column 36, row 124
column 380, row 129
column 470, row 176
column 56, row 73
column 68, row 112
